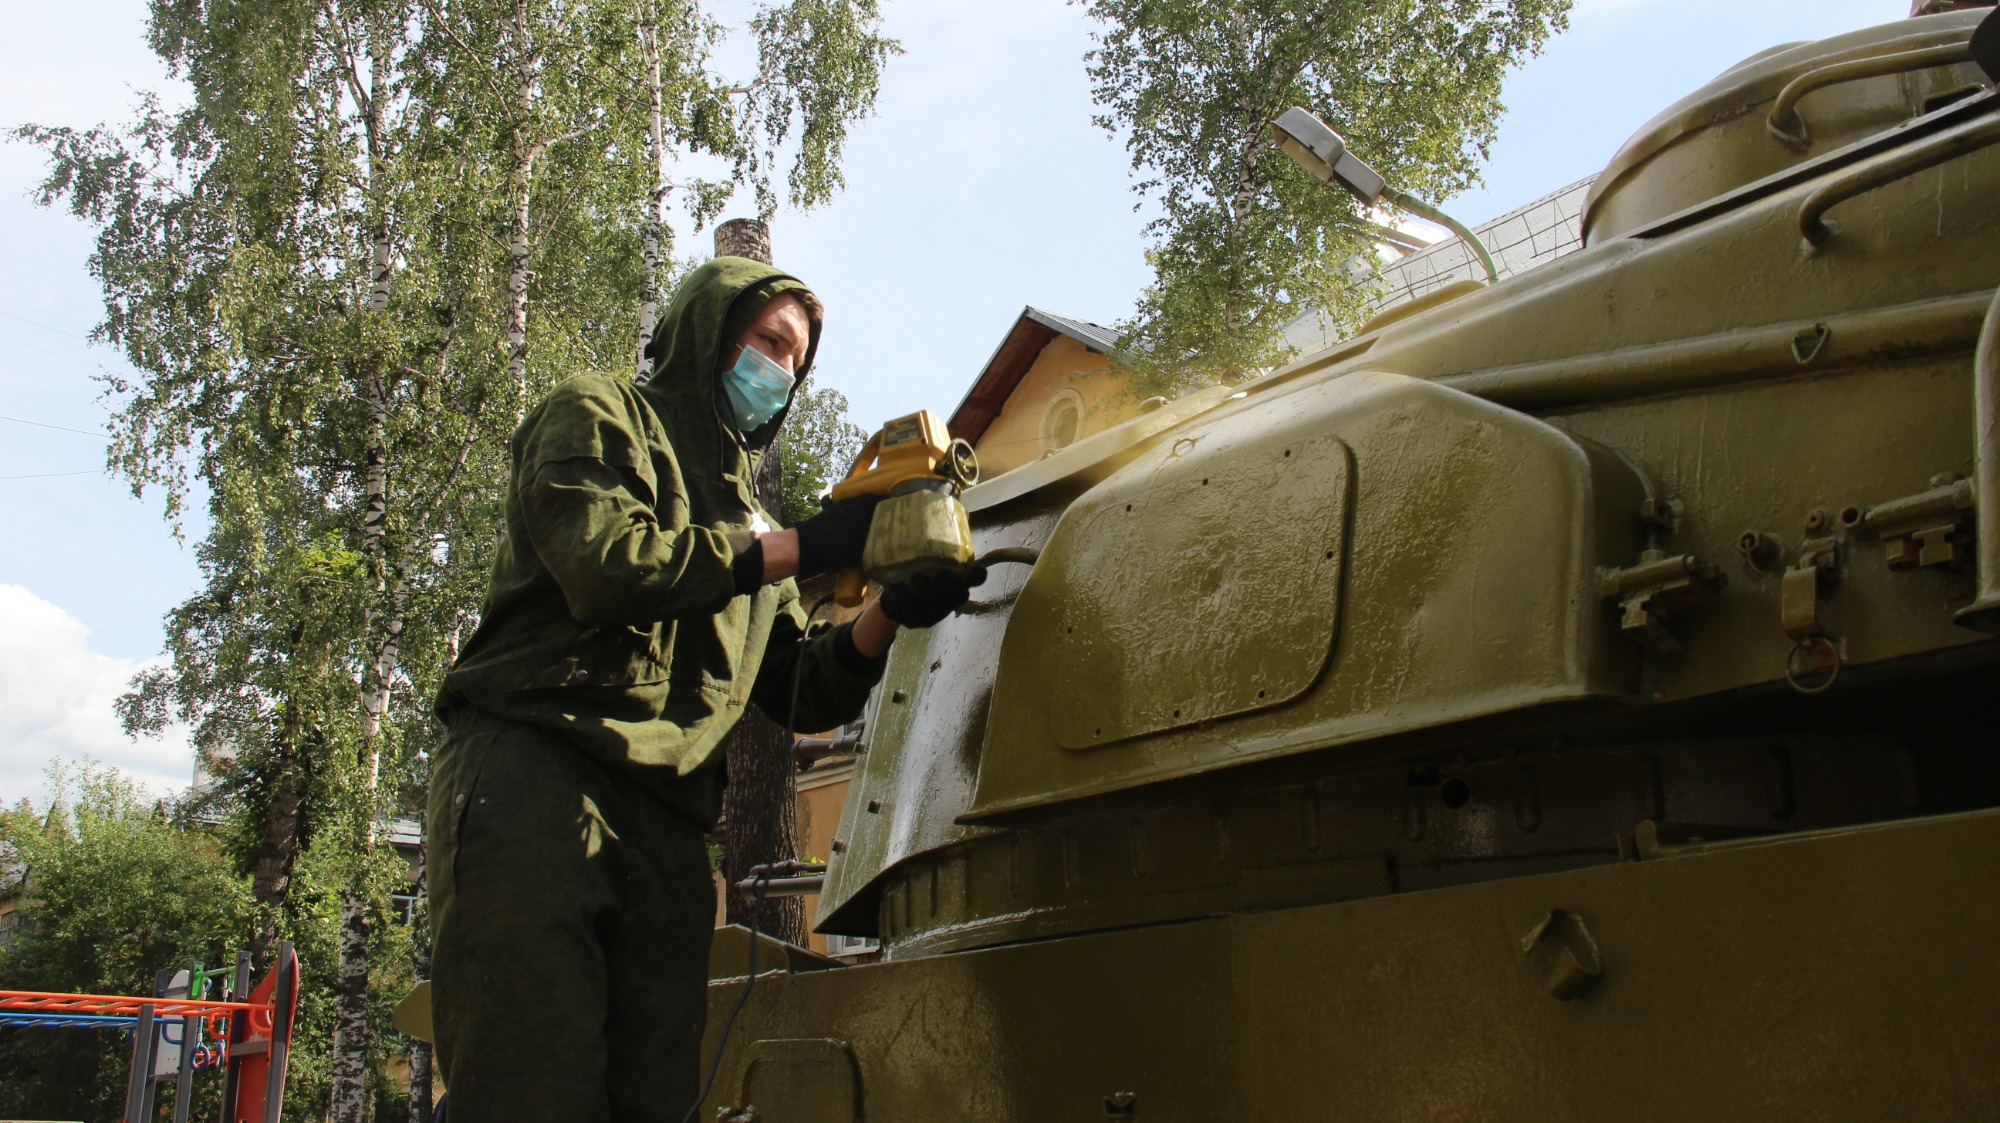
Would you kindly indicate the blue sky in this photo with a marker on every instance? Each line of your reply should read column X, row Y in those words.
column 980, row 187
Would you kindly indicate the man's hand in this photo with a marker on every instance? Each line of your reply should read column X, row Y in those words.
column 832, row 540
column 927, row 598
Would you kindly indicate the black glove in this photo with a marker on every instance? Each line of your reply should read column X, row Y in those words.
column 832, row 540
column 927, row 598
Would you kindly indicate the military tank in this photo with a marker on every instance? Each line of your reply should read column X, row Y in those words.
column 1569, row 698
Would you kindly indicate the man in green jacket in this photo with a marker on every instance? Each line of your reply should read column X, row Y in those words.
column 640, row 600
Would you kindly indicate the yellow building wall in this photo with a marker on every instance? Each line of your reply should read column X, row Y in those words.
column 1102, row 390
column 822, row 794
column 820, row 802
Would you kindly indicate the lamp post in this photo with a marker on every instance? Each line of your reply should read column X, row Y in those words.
column 1323, row 152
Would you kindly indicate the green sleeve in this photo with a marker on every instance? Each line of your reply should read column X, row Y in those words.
column 610, row 525
column 833, row 678
column 614, row 561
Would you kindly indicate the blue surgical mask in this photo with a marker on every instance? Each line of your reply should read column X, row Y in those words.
column 757, row 388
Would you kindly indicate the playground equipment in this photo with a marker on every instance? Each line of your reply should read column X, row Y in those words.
column 177, row 1033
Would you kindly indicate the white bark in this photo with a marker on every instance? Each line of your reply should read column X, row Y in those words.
column 527, row 146
column 421, row 1104
column 383, row 624
column 348, row 1102
column 382, row 257
column 652, row 239
column 518, row 254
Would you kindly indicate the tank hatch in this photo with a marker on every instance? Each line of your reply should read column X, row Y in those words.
column 1219, row 524
column 1778, row 109
column 1345, row 562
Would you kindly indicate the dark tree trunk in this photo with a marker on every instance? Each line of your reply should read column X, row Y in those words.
column 277, row 853
column 283, row 832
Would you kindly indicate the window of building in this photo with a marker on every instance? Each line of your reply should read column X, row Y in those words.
column 1061, row 420
column 852, row 945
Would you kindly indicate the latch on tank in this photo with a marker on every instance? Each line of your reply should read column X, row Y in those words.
column 1649, row 593
column 1929, row 529
column 1814, row 652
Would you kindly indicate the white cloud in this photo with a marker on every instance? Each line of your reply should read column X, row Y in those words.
column 56, row 697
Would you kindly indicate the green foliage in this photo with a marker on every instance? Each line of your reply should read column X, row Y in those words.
column 378, row 231
column 1245, row 241
column 116, row 890
column 815, row 448
column 819, row 68
column 312, row 923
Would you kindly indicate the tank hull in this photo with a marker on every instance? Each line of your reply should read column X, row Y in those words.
column 1516, row 711
column 1840, row 975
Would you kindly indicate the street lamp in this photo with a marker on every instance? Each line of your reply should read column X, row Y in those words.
column 1323, row 152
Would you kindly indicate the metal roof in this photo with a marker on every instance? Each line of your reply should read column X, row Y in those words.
column 1519, row 240
column 1033, row 330
column 1097, row 337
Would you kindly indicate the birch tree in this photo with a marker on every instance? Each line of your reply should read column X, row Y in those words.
column 247, row 252
column 378, row 231
column 1244, row 241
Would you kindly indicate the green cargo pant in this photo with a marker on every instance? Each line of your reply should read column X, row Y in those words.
column 572, row 915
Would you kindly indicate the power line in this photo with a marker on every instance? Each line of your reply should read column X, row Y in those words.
column 45, row 327
column 51, row 475
column 46, row 425
column 57, row 354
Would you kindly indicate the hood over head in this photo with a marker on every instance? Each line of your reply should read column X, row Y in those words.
column 707, row 313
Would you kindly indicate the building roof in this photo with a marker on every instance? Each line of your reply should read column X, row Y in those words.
column 1034, row 330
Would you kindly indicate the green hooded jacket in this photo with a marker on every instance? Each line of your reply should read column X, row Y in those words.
column 611, row 616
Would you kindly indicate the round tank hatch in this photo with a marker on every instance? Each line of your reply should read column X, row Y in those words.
column 1721, row 136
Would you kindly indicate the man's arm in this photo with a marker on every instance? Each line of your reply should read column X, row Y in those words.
column 814, row 683
column 835, row 671
column 614, row 561
column 873, row 630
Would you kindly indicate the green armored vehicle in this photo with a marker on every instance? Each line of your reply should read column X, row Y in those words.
column 1568, row 699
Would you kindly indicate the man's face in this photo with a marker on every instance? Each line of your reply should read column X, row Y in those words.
column 781, row 330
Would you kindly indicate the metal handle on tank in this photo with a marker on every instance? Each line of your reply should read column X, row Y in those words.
column 1984, row 612
column 1785, row 121
column 1019, row 555
column 1890, row 167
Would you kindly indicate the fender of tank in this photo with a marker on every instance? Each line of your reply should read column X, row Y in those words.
column 1565, row 509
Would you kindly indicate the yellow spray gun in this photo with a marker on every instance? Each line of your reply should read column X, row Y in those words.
column 919, row 469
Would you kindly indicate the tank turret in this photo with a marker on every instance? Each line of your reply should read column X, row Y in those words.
column 1571, row 695
column 1780, row 108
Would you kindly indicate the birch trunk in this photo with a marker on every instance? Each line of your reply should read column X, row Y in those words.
column 382, row 624
column 521, row 182
column 652, row 237
column 526, row 146
column 284, row 826
column 420, row 971
column 382, row 254
column 348, row 1101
